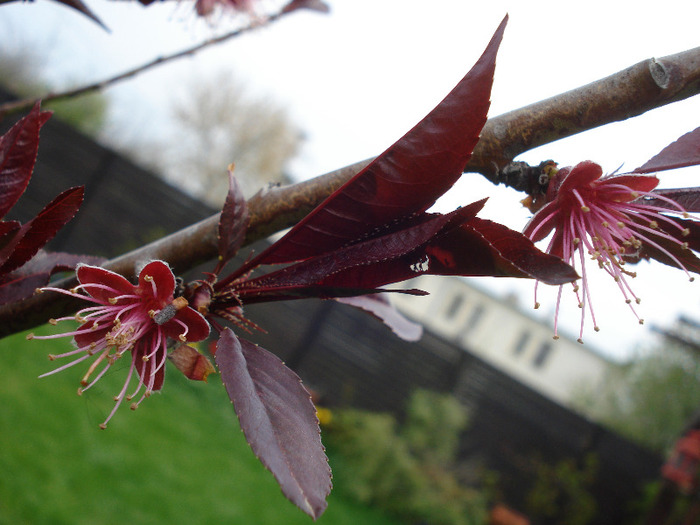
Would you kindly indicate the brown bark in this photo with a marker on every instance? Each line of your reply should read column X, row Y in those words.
column 647, row 85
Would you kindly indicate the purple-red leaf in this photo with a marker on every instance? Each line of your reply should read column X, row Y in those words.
column 453, row 244
column 680, row 154
column 669, row 252
column 52, row 262
column 405, row 179
column 78, row 5
column 503, row 252
column 278, row 419
column 686, row 198
column 36, row 233
column 18, row 149
column 233, row 222
column 8, row 229
column 475, row 248
column 380, row 307
column 15, row 287
column 359, row 268
column 22, row 283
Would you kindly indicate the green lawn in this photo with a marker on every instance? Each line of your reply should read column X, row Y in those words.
column 180, row 458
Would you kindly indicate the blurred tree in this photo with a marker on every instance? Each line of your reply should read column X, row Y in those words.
column 429, row 410
column 406, row 469
column 21, row 74
column 560, row 492
column 216, row 123
column 651, row 399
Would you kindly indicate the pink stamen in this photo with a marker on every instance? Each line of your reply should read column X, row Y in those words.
column 61, row 368
column 98, row 376
column 120, row 397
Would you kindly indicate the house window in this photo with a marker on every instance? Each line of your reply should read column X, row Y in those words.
column 519, row 347
column 454, row 306
column 542, row 355
column 474, row 317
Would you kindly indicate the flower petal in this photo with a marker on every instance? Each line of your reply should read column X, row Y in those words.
column 162, row 277
column 197, row 326
column 542, row 223
column 581, row 175
column 640, row 183
column 95, row 275
column 145, row 367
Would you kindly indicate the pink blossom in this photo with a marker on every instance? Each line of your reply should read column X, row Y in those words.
column 207, row 7
column 606, row 219
column 128, row 318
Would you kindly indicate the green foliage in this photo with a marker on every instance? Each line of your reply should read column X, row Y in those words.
column 650, row 400
column 180, row 458
column 560, row 492
column 21, row 73
column 87, row 113
column 403, row 468
column 433, row 425
column 677, row 506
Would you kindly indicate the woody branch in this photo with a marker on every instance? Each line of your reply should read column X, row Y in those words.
column 646, row 85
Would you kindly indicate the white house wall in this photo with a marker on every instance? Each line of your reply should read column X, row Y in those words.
column 504, row 336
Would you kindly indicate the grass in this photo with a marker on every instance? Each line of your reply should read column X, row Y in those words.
column 180, row 458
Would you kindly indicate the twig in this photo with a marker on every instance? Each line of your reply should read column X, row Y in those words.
column 649, row 84
column 27, row 103
column 646, row 85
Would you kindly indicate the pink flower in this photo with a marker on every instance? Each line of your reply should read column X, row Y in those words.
column 607, row 219
column 207, row 7
column 137, row 319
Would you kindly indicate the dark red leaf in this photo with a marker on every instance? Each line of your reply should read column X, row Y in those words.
column 380, row 307
column 278, row 419
column 692, row 236
column 52, row 262
column 405, row 179
column 667, row 251
column 233, row 222
column 687, row 198
column 511, row 254
column 78, row 5
column 359, row 268
column 684, row 152
column 476, row 248
column 453, row 244
column 36, row 233
column 8, row 229
column 18, row 149
column 15, row 287
column 21, row 283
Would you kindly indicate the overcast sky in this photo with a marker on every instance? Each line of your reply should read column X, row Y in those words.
column 357, row 79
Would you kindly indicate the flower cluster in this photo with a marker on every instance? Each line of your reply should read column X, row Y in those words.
column 137, row 320
column 612, row 221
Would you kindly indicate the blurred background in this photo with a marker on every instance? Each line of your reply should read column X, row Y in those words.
column 550, row 429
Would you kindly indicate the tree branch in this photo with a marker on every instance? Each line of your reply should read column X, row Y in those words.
column 649, row 84
column 27, row 103
column 646, row 85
